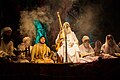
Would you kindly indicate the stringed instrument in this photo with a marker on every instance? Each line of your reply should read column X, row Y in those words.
column 86, row 54
column 61, row 33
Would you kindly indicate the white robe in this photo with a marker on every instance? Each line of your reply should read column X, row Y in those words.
column 87, row 54
column 72, row 51
column 106, row 48
column 110, row 49
column 84, row 50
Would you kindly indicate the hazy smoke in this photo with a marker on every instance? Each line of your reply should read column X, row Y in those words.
column 27, row 17
column 85, row 18
column 61, row 6
column 88, row 22
column 46, row 14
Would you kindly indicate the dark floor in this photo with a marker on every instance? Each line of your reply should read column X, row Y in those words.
column 99, row 70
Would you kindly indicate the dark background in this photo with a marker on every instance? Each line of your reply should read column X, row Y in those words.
column 10, row 15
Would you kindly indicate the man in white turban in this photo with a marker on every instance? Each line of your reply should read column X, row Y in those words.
column 85, row 47
column 86, row 51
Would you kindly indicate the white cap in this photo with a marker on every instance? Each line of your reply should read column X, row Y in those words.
column 26, row 38
column 85, row 38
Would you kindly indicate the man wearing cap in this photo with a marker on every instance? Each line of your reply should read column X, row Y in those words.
column 85, row 47
column 6, row 43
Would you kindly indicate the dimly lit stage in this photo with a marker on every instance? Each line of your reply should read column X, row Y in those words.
column 103, row 69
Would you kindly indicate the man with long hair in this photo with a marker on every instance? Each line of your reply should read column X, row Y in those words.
column 41, row 53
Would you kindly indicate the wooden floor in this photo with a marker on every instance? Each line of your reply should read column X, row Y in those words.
column 99, row 70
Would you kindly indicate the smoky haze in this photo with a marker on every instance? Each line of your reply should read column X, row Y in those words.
column 83, row 16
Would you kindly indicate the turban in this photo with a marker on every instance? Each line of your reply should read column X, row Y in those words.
column 26, row 38
column 85, row 38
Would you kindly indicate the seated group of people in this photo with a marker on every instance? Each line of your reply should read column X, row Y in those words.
column 24, row 53
column 84, row 52
column 69, row 49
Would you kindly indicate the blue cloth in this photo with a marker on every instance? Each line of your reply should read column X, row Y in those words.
column 40, row 31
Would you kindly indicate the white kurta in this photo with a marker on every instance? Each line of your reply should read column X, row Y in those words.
column 72, row 51
column 88, row 54
column 84, row 50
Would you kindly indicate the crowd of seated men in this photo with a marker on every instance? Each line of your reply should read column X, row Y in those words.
column 41, row 53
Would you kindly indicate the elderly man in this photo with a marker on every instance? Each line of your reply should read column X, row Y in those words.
column 85, row 47
column 86, row 51
column 69, row 46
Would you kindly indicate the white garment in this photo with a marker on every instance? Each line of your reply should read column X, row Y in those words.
column 110, row 49
column 110, row 46
column 72, row 49
column 89, row 54
column 84, row 50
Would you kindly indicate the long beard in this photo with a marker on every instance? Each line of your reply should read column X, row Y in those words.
column 86, row 45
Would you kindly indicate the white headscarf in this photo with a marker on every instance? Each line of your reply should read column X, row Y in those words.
column 110, row 46
column 66, row 26
column 85, row 38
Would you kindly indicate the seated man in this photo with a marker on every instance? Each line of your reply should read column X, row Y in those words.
column 6, row 43
column 41, row 52
column 110, row 47
column 85, row 47
column 86, row 51
column 25, row 50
